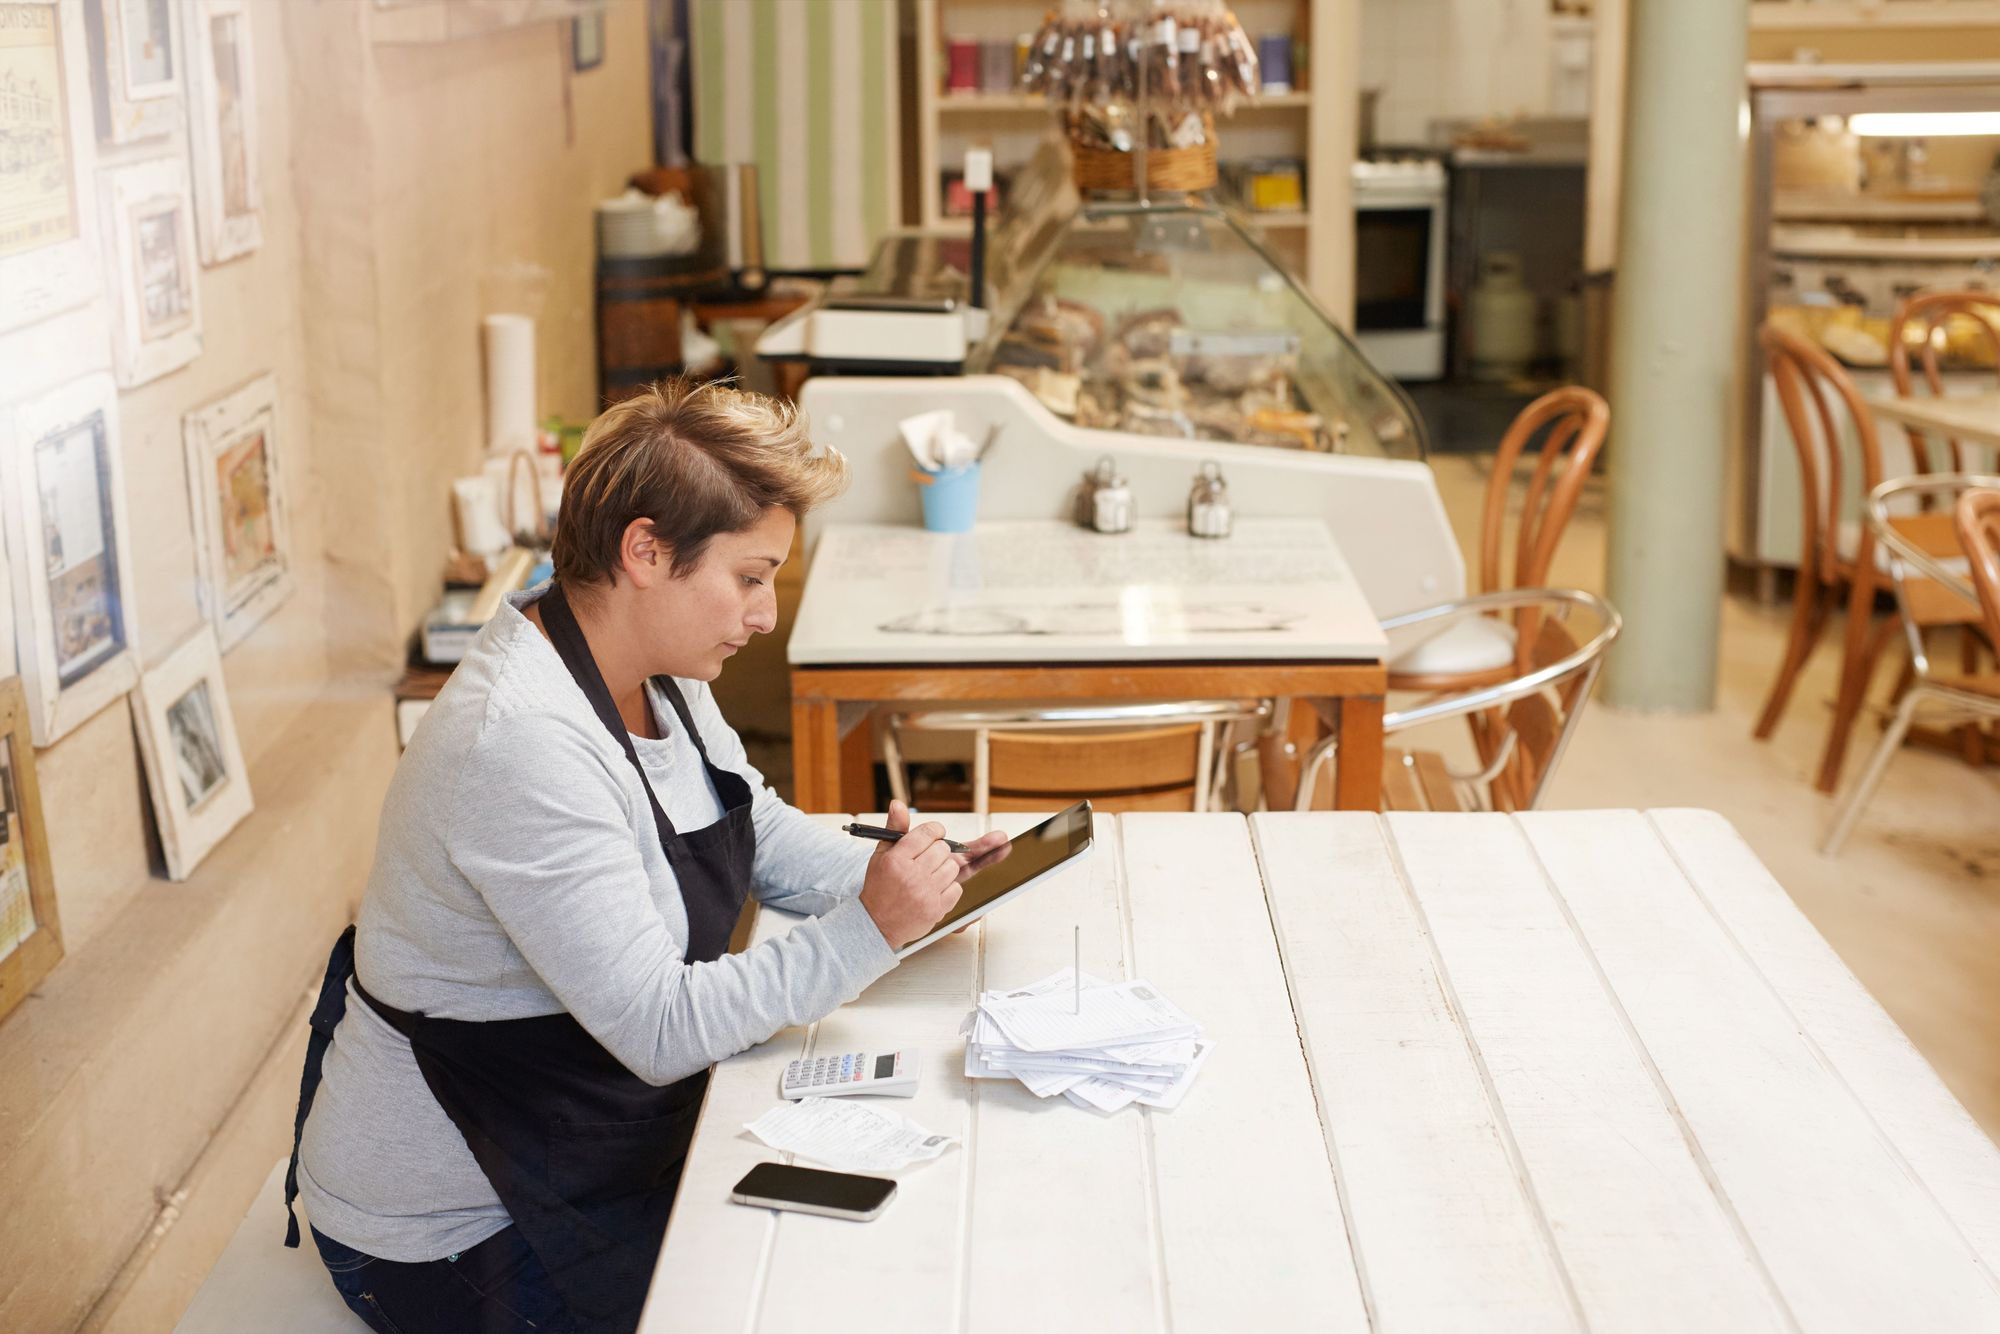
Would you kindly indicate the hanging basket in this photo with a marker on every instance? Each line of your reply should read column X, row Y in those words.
column 1168, row 169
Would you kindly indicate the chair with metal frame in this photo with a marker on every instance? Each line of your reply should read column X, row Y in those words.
column 1539, row 707
column 1478, row 650
column 1124, row 757
column 1930, row 316
column 1931, row 591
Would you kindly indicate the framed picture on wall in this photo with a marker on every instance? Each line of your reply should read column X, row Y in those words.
column 136, row 45
column 586, row 40
column 66, row 543
column 187, row 739
column 243, row 550
column 30, row 934
column 148, row 216
column 47, row 260
column 222, row 128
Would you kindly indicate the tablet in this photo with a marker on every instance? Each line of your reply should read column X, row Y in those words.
column 1032, row 857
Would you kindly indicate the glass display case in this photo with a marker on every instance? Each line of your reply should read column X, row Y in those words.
column 1173, row 319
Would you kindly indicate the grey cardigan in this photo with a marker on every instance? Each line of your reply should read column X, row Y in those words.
column 518, row 873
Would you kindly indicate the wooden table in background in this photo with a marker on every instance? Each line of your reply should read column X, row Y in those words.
column 1559, row 1071
column 1043, row 610
column 1967, row 417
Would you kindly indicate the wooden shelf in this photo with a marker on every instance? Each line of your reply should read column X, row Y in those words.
column 960, row 103
column 1870, row 15
column 1273, row 101
column 1314, row 124
column 1866, row 208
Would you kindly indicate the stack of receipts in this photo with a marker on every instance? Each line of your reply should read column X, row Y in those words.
column 1102, row 1045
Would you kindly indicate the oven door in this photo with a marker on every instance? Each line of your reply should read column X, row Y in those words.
column 1395, row 278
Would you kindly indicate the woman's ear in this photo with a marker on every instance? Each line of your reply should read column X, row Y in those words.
column 645, row 558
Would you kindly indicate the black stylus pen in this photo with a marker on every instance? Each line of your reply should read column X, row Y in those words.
column 880, row 834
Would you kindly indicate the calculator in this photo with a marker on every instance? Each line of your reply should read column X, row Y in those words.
column 850, row 1072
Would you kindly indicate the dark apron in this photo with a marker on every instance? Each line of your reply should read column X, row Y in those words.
column 584, row 1154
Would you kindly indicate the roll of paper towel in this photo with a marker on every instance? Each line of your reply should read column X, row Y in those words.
column 510, row 383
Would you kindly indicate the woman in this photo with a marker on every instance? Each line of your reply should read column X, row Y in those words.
column 512, row 1043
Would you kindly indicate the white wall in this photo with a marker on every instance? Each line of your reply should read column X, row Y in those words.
column 1436, row 59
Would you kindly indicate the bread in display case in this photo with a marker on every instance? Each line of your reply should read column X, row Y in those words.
column 1166, row 318
column 1173, row 320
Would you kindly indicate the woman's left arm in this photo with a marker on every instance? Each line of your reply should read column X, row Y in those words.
column 803, row 866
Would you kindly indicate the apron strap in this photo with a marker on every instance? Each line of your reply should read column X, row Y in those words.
column 567, row 636
column 326, row 1015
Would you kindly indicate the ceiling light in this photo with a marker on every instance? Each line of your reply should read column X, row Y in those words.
column 1923, row 124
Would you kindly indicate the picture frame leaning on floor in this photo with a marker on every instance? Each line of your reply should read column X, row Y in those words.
column 187, row 741
column 30, row 930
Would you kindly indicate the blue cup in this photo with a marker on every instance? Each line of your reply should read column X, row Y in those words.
column 951, row 498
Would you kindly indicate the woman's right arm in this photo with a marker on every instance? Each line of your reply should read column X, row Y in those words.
column 538, row 827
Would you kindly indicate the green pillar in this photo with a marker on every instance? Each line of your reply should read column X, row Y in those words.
column 1675, row 346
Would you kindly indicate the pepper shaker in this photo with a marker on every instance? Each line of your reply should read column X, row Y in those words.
column 1208, row 513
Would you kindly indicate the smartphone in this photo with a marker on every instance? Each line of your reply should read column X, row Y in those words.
column 811, row 1191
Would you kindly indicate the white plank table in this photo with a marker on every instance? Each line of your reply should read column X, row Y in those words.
column 1577, row 1070
column 1043, row 610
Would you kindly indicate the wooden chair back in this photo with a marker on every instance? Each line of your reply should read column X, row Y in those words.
column 1537, row 721
column 1977, row 515
column 1575, row 420
column 1923, row 319
column 1129, row 769
column 1810, row 383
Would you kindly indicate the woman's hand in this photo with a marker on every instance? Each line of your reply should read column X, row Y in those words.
column 912, row 883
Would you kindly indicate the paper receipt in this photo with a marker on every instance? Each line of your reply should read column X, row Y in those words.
column 847, row 1135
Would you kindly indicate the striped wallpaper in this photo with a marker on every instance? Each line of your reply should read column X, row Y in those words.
column 806, row 89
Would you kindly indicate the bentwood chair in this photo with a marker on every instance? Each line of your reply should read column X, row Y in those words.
column 1125, row 757
column 1488, row 647
column 1822, row 409
column 1932, row 591
column 1538, row 709
column 1930, row 321
column 1925, row 320
column 1475, row 650
column 1472, row 650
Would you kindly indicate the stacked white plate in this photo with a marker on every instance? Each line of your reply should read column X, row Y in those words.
column 637, row 225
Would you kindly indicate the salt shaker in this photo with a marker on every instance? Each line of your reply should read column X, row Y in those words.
column 1111, row 502
column 1099, row 475
column 1208, row 513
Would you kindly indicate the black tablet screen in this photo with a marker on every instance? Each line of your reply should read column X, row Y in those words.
column 1032, row 852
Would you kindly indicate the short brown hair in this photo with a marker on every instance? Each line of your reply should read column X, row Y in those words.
column 694, row 459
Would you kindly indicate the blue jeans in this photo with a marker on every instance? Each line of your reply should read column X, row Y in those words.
column 497, row 1287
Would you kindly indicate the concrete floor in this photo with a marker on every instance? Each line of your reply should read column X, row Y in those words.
column 1913, row 905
